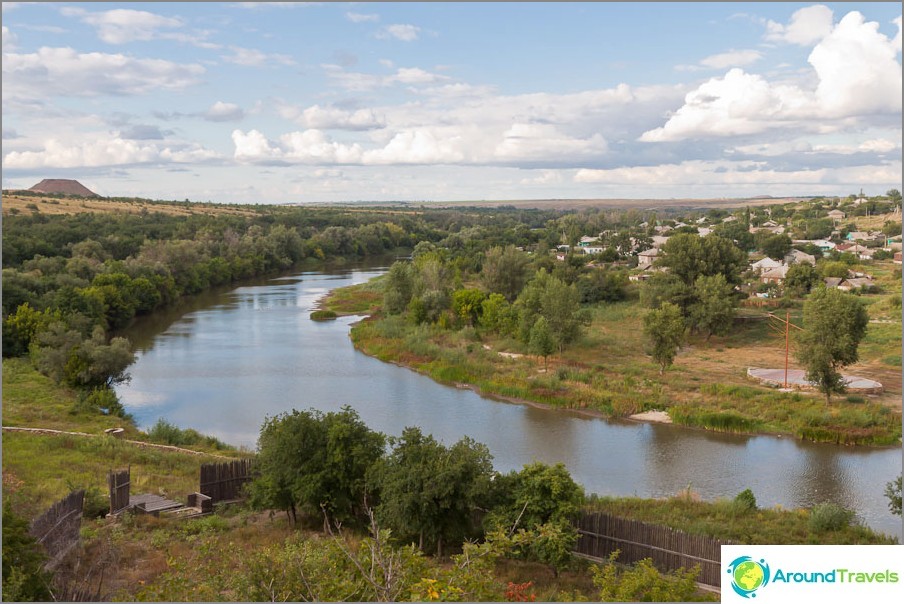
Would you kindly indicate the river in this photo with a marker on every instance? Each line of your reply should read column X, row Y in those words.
column 224, row 361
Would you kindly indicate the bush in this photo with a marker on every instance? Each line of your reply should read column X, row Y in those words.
column 829, row 517
column 103, row 400
column 166, row 433
column 745, row 501
column 323, row 315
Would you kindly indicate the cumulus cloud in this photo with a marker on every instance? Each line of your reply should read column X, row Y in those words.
column 358, row 82
column 66, row 72
column 251, row 57
column 224, row 112
column 333, row 118
column 526, row 142
column 120, row 26
column 400, row 31
column 103, row 151
column 896, row 43
column 858, row 78
column 252, row 145
column 361, row 18
column 733, row 58
column 415, row 75
column 807, row 26
column 9, row 40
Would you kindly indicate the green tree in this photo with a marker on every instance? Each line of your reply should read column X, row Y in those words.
column 428, row 492
column 664, row 329
column 504, row 271
column 467, row 304
column 398, row 288
column 24, row 578
column 541, row 341
column 894, row 196
column 535, row 495
column 834, row 324
column 801, row 278
column 776, row 246
column 714, row 309
column 498, row 315
column 893, row 493
column 690, row 256
column 316, row 462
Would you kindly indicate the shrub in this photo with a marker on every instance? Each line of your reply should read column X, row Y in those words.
column 103, row 400
column 323, row 315
column 744, row 501
column 829, row 517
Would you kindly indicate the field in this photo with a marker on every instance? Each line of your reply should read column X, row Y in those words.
column 14, row 203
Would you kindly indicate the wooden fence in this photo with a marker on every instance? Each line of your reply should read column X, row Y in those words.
column 601, row 534
column 119, row 483
column 58, row 528
column 224, row 481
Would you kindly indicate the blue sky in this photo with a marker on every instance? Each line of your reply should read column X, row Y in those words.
column 306, row 102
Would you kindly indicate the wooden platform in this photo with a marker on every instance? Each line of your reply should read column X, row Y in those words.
column 153, row 504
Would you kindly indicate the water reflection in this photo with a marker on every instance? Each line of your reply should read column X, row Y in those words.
column 224, row 361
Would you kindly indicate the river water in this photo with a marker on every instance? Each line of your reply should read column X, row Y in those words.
column 224, row 361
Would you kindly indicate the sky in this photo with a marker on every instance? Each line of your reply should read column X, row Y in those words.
column 306, row 102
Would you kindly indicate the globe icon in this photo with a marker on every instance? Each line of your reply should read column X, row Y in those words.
column 748, row 575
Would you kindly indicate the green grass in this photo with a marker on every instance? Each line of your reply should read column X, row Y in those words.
column 725, row 520
column 608, row 371
column 360, row 299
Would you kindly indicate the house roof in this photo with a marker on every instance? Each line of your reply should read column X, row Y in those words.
column 799, row 256
column 833, row 281
column 767, row 263
column 650, row 252
column 778, row 272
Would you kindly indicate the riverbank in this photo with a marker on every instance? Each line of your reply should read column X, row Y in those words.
column 607, row 374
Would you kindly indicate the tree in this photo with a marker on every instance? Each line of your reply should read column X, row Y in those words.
column 504, row 271
column 894, row 196
column 399, row 288
column 643, row 583
column 776, row 246
column 24, row 579
column 689, row 256
column 714, row 308
column 558, row 303
column 467, row 304
column 316, row 462
column 537, row 494
column 498, row 315
column 801, row 278
column 834, row 324
column 541, row 340
column 893, row 493
column 664, row 329
column 428, row 492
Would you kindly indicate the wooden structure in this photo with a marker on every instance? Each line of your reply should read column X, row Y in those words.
column 58, row 528
column 600, row 534
column 224, row 481
column 120, row 484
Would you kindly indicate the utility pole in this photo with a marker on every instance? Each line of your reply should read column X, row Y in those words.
column 786, row 328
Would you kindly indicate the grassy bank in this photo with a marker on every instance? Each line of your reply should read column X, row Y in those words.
column 608, row 372
column 726, row 520
column 39, row 469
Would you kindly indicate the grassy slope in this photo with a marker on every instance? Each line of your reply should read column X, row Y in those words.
column 609, row 372
column 40, row 469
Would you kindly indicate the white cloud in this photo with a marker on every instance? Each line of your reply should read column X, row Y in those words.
column 9, row 40
column 103, row 151
column 65, row 72
column 361, row 18
column 224, row 112
column 333, row 118
column 251, row 57
column 120, row 26
column 896, row 43
column 546, row 177
column 357, row 81
column 733, row 58
column 313, row 146
column 807, row 26
column 256, row 5
column 253, row 145
column 857, row 68
column 400, row 31
column 858, row 78
column 415, row 75
column 526, row 142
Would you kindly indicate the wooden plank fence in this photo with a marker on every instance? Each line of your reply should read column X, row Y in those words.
column 224, row 481
column 600, row 534
column 119, row 483
column 58, row 528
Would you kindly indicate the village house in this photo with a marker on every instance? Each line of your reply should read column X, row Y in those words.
column 658, row 241
column 836, row 215
column 775, row 275
column 766, row 264
column 585, row 241
column 592, row 249
column 799, row 257
column 647, row 257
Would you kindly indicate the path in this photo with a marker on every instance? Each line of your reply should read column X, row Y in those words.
column 138, row 443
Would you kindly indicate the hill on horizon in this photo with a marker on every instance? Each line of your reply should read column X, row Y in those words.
column 64, row 186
